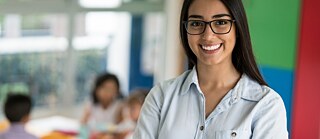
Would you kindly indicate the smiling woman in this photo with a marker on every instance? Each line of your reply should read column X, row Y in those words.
column 223, row 94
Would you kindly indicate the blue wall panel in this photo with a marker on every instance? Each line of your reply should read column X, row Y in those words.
column 282, row 82
column 137, row 79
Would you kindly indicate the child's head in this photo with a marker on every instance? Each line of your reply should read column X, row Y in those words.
column 135, row 101
column 106, row 89
column 17, row 108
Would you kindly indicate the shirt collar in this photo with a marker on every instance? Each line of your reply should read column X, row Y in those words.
column 246, row 88
column 192, row 78
column 249, row 89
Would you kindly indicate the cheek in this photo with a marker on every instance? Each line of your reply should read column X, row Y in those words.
column 233, row 35
column 193, row 42
column 100, row 93
column 135, row 111
column 230, row 39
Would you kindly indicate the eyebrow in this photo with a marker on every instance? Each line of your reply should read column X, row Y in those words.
column 214, row 16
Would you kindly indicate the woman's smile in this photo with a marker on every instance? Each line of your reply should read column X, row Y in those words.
column 211, row 48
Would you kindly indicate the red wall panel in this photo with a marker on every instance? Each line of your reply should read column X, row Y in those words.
column 306, row 112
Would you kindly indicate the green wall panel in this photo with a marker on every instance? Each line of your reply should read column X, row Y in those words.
column 274, row 26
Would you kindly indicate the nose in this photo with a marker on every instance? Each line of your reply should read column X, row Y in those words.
column 208, row 33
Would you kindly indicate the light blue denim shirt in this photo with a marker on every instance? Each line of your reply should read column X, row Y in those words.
column 175, row 109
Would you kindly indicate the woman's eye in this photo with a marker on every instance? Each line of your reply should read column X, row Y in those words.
column 196, row 23
column 221, row 22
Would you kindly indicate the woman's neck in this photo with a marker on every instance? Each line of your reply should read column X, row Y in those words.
column 217, row 76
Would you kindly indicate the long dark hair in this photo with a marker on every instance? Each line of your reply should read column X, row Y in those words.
column 242, row 55
column 100, row 80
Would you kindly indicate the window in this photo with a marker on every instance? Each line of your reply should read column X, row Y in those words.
column 32, row 56
column 55, row 53
column 36, row 58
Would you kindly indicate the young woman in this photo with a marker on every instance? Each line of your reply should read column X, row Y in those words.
column 223, row 95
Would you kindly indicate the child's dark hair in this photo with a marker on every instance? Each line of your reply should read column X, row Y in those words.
column 100, row 80
column 17, row 106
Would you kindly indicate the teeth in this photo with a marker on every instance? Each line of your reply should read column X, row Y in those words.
column 209, row 48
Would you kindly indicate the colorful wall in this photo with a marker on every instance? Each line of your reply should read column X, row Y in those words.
column 285, row 35
column 306, row 112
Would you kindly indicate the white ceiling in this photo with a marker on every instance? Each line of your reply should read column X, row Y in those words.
column 62, row 6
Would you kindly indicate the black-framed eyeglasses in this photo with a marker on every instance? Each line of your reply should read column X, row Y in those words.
column 219, row 26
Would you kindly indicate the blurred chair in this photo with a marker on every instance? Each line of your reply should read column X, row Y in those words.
column 4, row 124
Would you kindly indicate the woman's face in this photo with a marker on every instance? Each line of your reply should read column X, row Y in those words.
column 107, row 92
column 210, row 48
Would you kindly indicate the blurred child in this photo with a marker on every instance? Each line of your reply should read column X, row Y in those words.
column 101, row 114
column 17, row 109
column 135, row 101
column 131, row 113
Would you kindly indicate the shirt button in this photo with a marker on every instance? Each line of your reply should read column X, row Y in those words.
column 201, row 128
column 233, row 134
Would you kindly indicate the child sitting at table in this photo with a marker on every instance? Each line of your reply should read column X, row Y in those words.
column 100, row 115
column 17, row 110
column 130, row 114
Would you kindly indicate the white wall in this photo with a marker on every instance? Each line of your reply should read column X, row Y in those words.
column 119, row 51
column 168, row 62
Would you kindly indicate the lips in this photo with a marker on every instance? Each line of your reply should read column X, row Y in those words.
column 211, row 47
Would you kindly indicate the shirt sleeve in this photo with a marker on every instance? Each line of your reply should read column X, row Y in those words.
column 149, row 119
column 271, row 122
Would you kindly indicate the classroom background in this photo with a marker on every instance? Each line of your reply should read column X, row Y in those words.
column 54, row 49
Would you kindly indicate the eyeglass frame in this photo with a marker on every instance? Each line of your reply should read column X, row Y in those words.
column 185, row 23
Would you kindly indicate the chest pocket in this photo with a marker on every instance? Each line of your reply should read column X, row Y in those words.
column 232, row 134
